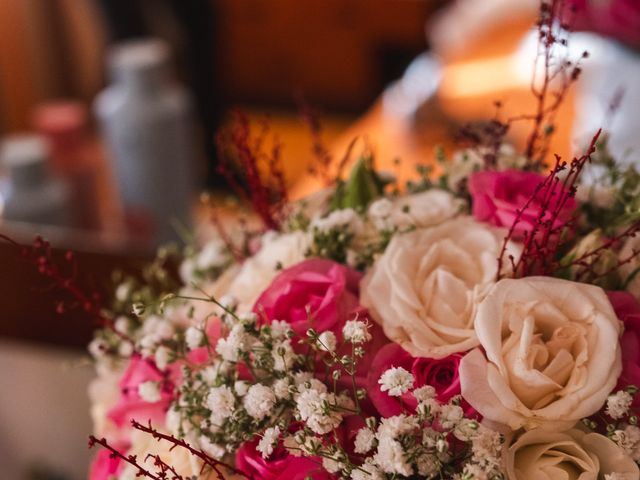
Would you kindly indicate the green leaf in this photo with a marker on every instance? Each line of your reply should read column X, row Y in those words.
column 361, row 188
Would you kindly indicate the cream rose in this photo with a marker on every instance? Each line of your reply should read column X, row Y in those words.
column 552, row 353
column 256, row 273
column 423, row 289
column 572, row 455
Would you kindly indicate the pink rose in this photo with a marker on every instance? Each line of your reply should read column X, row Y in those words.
column 619, row 19
column 627, row 309
column 279, row 466
column 130, row 405
column 441, row 374
column 497, row 196
column 327, row 289
column 104, row 467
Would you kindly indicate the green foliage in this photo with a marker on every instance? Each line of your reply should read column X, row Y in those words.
column 362, row 187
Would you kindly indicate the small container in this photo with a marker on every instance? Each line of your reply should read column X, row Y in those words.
column 146, row 119
column 32, row 193
column 64, row 124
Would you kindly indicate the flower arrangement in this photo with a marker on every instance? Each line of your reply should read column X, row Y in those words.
column 480, row 322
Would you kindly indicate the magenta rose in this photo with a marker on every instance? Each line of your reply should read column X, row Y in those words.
column 104, row 466
column 130, row 405
column 498, row 196
column 328, row 293
column 441, row 374
column 619, row 19
column 279, row 466
column 328, row 290
column 627, row 309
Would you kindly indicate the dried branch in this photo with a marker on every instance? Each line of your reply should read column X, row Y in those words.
column 240, row 156
column 547, row 235
column 215, row 465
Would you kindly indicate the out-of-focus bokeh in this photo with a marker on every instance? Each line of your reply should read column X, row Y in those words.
column 108, row 117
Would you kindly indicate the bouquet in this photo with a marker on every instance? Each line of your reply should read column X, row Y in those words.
column 478, row 322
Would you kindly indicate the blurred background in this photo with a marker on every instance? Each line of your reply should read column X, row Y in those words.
column 109, row 111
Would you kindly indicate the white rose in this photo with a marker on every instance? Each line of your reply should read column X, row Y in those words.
column 420, row 210
column 552, row 353
column 257, row 273
column 570, row 455
column 423, row 289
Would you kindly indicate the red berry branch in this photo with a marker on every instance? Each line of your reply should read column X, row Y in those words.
column 64, row 277
column 130, row 459
column 323, row 156
column 547, row 235
column 556, row 70
column 215, row 465
column 240, row 155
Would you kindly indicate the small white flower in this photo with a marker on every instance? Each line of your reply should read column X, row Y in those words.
column 301, row 377
column 393, row 427
column 259, row 401
column 356, row 331
column 428, row 465
column 221, row 402
column 236, row 342
column 280, row 329
column 618, row 404
column 162, row 357
column 391, row 458
column 331, row 465
column 396, row 381
column 380, row 213
column 248, row 318
column 212, row 449
column 194, row 337
column 364, row 441
column 371, row 472
column 629, row 440
column 424, row 393
column 312, row 407
column 450, row 415
column 429, row 407
column 149, row 391
column 283, row 356
column 98, row 348
column 327, row 341
column 214, row 254
column 123, row 291
column 241, row 387
column 466, row 429
column 125, row 349
column 268, row 441
column 121, row 325
column 345, row 218
column 486, row 447
column 281, row 389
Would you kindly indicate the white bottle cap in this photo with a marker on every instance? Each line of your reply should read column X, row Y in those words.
column 131, row 59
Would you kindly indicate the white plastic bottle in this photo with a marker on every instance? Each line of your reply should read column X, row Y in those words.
column 146, row 120
column 32, row 194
